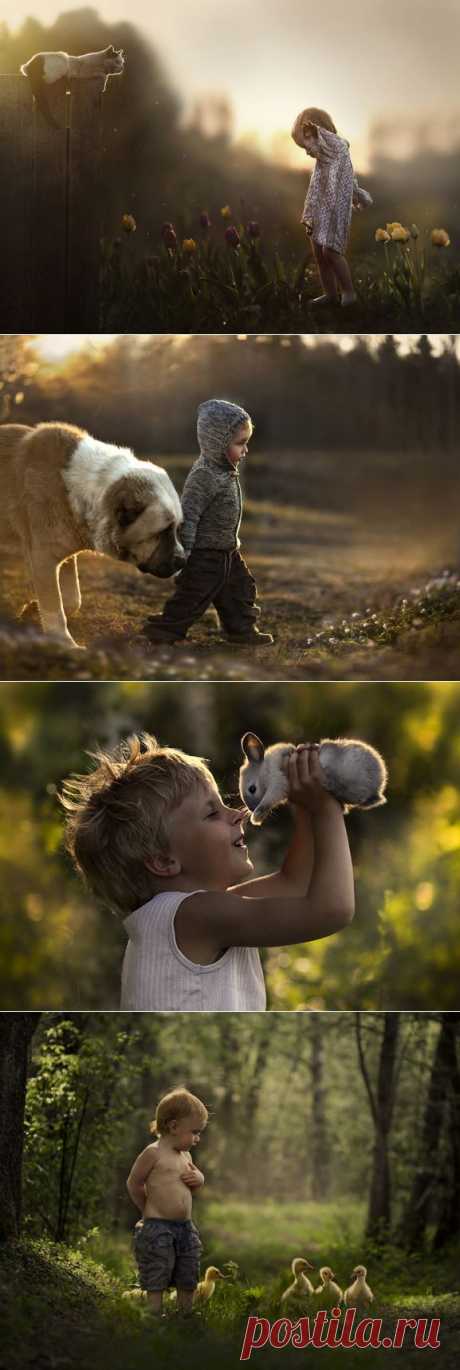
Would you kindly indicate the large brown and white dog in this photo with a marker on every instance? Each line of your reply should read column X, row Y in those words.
column 66, row 492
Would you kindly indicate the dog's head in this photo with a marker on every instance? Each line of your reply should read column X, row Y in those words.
column 142, row 517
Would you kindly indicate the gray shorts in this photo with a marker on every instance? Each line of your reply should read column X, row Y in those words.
column 167, row 1253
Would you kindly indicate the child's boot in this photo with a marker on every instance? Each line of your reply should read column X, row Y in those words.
column 252, row 634
column 157, row 630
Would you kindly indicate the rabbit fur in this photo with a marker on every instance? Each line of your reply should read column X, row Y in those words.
column 352, row 771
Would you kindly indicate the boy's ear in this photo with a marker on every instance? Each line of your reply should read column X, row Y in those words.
column 253, row 748
column 163, row 865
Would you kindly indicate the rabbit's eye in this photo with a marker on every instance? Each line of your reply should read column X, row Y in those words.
column 252, row 789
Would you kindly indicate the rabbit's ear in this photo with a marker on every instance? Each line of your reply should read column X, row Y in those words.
column 253, row 748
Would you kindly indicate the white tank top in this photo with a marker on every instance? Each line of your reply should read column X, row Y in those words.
column 157, row 976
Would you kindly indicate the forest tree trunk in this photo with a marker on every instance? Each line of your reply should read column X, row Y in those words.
column 16, row 1032
column 319, row 1149
column 425, row 1180
column 382, row 1105
column 448, row 1225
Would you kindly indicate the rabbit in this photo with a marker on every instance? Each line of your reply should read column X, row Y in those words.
column 352, row 771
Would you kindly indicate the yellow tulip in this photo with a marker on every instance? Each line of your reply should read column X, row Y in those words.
column 381, row 235
column 189, row 245
column 128, row 222
column 440, row 238
column 390, row 227
column 226, row 212
column 399, row 234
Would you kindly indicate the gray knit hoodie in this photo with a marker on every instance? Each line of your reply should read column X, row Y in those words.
column 211, row 498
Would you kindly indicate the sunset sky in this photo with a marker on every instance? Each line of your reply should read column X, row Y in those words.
column 361, row 61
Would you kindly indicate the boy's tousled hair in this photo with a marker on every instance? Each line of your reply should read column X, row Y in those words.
column 117, row 815
column 314, row 116
column 176, row 1105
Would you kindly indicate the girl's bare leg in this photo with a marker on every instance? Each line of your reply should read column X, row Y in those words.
column 326, row 271
column 185, row 1300
column 154, row 1300
column 342, row 273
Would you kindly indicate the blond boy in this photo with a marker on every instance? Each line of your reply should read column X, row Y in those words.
column 150, row 833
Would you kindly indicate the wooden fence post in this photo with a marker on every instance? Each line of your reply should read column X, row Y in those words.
column 48, row 210
column 16, row 180
column 85, row 205
column 50, row 221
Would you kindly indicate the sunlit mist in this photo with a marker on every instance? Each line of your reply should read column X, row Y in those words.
column 375, row 68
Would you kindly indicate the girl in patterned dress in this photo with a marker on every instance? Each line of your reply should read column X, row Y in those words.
column 332, row 195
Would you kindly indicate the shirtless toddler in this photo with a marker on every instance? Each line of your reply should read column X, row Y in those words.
column 166, row 1242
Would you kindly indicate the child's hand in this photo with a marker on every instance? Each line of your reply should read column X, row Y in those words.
column 310, row 130
column 304, row 776
column 191, row 1177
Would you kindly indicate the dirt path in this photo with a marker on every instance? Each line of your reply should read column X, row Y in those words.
column 350, row 591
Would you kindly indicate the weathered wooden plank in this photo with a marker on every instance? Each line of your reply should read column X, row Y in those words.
column 85, row 205
column 50, row 222
column 16, row 181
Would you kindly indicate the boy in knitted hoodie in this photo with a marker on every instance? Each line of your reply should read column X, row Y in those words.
column 215, row 572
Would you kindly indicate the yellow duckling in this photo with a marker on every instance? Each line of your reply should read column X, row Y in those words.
column 359, row 1291
column 301, row 1288
column 330, row 1292
column 205, row 1288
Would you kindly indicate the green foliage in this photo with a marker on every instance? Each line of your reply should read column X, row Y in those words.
column 64, row 1306
column 58, row 947
column 212, row 286
column 74, row 1126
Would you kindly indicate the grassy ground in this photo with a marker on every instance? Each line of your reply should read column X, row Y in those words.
column 351, row 588
column 65, row 1308
column 260, row 286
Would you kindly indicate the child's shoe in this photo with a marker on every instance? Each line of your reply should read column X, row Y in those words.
column 252, row 635
column 158, row 631
column 324, row 299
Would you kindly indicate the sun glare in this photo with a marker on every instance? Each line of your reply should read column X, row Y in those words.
column 56, row 346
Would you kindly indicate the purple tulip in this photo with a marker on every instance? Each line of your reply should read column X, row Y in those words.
column 253, row 229
column 169, row 236
column 205, row 220
column 232, row 236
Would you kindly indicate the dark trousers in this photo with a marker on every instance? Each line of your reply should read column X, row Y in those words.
column 213, row 577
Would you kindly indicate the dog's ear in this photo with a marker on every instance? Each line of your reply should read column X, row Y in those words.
column 127, row 513
column 253, row 748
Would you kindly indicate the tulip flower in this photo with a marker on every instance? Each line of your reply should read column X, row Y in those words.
column 128, row 222
column 398, row 233
column 440, row 237
column 169, row 236
column 232, row 236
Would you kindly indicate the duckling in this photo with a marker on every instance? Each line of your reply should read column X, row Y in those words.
column 205, row 1288
column 301, row 1288
column 359, row 1291
column 330, row 1292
